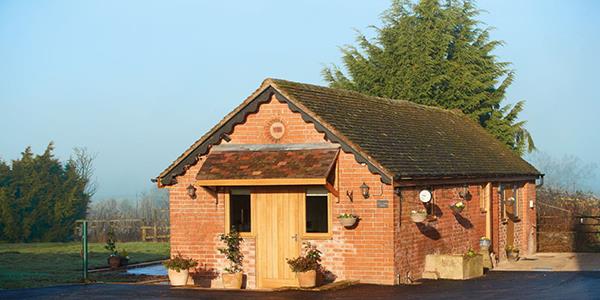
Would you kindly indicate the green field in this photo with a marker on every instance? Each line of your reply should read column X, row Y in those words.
column 45, row 264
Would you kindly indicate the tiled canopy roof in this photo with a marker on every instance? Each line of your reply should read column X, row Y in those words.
column 267, row 163
column 394, row 138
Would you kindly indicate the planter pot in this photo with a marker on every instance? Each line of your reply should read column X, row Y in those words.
column 485, row 244
column 178, row 278
column 512, row 255
column 124, row 261
column 114, row 261
column 307, row 279
column 418, row 218
column 453, row 266
column 347, row 222
column 232, row 281
column 457, row 210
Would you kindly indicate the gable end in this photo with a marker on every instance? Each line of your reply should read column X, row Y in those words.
column 214, row 137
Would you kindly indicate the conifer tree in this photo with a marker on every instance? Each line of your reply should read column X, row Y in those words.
column 436, row 53
column 41, row 198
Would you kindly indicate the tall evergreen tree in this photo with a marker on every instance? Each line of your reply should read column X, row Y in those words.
column 435, row 53
column 40, row 198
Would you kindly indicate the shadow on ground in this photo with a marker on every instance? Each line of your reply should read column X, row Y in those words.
column 495, row 285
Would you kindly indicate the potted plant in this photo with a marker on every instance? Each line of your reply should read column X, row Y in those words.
column 232, row 278
column 114, row 259
column 457, row 207
column 124, row 257
column 347, row 220
column 178, row 269
column 484, row 242
column 512, row 253
column 418, row 216
column 305, row 266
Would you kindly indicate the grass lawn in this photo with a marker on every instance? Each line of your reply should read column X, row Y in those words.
column 45, row 264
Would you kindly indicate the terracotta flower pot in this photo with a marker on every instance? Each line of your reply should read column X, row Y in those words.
column 485, row 243
column 347, row 222
column 114, row 261
column 178, row 278
column 307, row 279
column 232, row 281
column 418, row 217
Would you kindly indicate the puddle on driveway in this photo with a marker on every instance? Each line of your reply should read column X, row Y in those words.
column 154, row 270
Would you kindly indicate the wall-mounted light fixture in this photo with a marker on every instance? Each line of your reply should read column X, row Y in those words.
column 364, row 189
column 465, row 194
column 191, row 190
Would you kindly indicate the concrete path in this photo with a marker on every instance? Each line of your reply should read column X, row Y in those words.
column 554, row 262
column 494, row 285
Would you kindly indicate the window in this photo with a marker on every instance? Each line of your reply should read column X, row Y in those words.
column 240, row 213
column 316, row 212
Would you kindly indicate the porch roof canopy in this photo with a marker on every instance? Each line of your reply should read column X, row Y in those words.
column 252, row 165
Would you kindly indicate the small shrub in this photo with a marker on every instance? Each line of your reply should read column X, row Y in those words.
column 458, row 204
column 419, row 212
column 309, row 261
column 346, row 216
column 232, row 251
column 179, row 263
column 470, row 253
column 111, row 245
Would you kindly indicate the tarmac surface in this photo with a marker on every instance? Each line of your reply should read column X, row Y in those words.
column 553, row 261
column 494, row 285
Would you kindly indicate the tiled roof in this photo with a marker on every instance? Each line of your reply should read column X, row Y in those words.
column 408, row 139
column 392, row 137
column 267, row 163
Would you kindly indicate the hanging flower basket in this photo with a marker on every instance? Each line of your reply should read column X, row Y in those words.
column 457, row 207
column 418, row 216
column 347, row 220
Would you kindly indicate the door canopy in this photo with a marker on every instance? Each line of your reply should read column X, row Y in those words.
column 262, row 165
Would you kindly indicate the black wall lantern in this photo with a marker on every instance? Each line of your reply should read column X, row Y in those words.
column 465, row 194
column 191, row 190
column 364, row 189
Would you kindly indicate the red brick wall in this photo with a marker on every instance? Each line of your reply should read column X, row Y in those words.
column 449, row 233
column 454, row 234
column 365, row 252
column 375, row 251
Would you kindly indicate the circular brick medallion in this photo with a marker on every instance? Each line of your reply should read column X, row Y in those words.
column 276, row 129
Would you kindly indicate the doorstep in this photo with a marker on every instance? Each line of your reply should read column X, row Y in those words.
column 326, row 287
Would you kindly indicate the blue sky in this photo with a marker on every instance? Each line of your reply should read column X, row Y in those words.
column 138, row 81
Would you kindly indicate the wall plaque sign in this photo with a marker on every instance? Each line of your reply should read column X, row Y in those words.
column 382, row 203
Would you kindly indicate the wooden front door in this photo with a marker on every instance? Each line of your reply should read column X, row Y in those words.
column 510, row 209
column 277, row 235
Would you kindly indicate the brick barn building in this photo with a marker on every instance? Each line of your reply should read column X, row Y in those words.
column 285, row 163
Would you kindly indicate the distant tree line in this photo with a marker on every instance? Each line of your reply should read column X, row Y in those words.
column 42, row 197
column 125, row 217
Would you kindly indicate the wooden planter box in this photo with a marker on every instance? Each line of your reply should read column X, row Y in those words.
column 453, row 266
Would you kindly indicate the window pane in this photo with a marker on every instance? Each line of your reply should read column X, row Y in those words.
column 239, row 212
column 316, row 214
